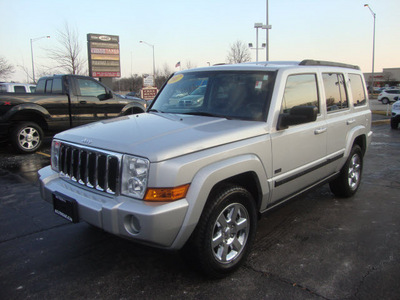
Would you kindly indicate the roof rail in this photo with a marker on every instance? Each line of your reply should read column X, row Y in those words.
column 311, row 62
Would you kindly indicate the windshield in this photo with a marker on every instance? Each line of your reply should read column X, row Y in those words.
column 229, row 94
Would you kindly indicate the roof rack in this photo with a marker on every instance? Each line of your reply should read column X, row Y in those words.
column 311, row 62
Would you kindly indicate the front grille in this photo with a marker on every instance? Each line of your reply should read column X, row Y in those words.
column 90, row 167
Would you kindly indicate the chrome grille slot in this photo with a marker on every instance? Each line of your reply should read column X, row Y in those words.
column 90, row 167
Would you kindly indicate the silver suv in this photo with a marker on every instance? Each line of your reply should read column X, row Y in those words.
column 197, row 175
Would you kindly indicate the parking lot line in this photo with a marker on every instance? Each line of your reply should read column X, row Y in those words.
column 44, row 154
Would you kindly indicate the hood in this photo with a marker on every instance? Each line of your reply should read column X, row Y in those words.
column 160, row 136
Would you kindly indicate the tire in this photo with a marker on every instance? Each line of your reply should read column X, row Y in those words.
column 26, row 137
column 394, row 124
column 225, row 232
column 346, row 185
column 385, row 101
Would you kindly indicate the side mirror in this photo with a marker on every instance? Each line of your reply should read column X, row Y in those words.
column 297, row 115
column 106, row 96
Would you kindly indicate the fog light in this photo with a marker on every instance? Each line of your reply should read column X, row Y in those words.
column 132, row 224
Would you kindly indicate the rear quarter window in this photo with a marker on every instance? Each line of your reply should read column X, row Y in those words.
column 19, row 89
column 357, row 90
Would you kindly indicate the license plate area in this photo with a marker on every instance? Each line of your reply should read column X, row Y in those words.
column 65, row 207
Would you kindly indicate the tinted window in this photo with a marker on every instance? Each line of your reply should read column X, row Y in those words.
column 393, row 91
column 90, row 88
column 40, row 86
column 300, row 90
column 57, row 86
column 335, row 91
column 19, row 89
column 49, row 84
column 357, row 90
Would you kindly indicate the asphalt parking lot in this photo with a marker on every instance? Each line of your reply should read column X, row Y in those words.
column 315, row 247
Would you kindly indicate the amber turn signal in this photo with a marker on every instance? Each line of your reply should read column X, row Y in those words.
column 166, row 194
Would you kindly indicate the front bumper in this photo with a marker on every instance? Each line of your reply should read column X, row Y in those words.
column 157, row 224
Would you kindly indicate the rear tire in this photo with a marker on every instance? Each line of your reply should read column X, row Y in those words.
column 26, row 137
column 346, row 185
column 225, row 232
column 385, row 101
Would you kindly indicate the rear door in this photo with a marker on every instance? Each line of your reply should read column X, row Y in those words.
column 55, row 101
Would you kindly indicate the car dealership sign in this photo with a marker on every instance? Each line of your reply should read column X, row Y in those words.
column 103, row 54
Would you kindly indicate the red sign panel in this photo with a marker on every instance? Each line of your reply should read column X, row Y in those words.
column 106, row 74
column 149, row 93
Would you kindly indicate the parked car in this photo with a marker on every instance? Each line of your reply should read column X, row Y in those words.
column 198, row 177
column 13, row 87
column 395, row 119
column 131, row 94
column 387, row 95
column 60, row 102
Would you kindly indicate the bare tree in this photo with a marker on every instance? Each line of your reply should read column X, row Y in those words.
column 163, row 75
column 238, row 53
column 68, row 55
column 6, row 69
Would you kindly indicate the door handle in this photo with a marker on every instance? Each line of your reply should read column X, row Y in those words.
column 319, row 130
column 83, row 102
column 349, row 122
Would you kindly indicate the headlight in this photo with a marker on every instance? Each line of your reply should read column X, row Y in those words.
column 55, row 155
column 135, row 171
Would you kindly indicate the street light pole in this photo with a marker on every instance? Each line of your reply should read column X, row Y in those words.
column 257, row 26
column 373, row 46
column 154, row 62
column 33, row 64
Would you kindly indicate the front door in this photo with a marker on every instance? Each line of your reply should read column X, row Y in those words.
column 300, row 150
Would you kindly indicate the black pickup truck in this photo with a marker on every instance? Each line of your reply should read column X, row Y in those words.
column 59, row 102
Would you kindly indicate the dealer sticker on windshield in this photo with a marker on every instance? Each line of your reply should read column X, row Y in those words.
column 175, row 79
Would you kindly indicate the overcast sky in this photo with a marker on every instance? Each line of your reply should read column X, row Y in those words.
column 202, row 31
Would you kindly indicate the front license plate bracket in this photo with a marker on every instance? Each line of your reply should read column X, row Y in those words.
column 65, row 207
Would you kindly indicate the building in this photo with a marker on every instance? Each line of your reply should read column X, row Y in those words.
column 388, row 77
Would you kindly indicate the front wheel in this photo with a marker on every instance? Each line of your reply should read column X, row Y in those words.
column 26, row 137
column 346, row 185
column 394, row 124
column 225, row 232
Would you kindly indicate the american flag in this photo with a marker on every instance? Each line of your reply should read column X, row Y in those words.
column 178, row 64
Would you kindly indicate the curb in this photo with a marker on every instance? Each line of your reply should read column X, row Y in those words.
column 379, row 122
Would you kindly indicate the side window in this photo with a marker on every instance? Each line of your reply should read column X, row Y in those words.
column 357, row 90
column 300, row 90
column 57, row 86
column 40, row 86
column 90, row 88
column 32, row 88
column 19, row 89
column 49, row 84
column 335, row 91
